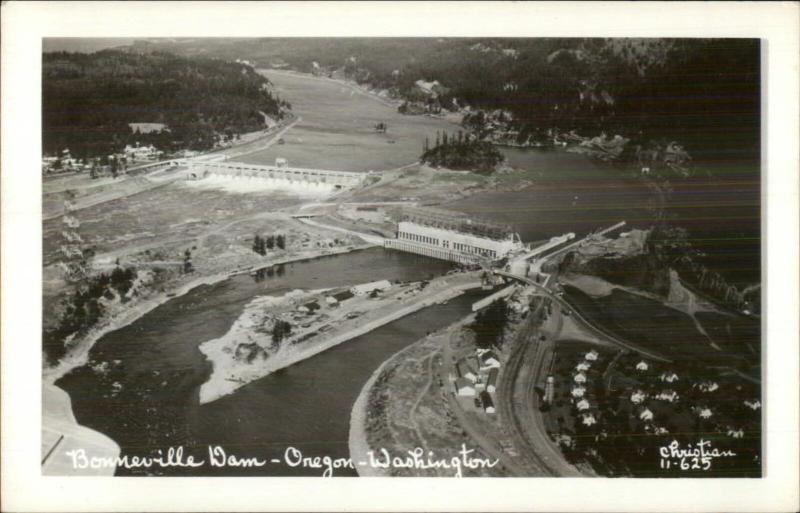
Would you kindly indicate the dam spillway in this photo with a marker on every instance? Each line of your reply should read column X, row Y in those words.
column 334, row 179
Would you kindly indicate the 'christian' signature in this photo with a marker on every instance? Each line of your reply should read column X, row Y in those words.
column 698, row 456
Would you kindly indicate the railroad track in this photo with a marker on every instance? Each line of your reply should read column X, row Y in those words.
column 517, row 393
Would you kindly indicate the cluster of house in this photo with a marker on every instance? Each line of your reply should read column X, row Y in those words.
column 476, row 375
column 578, row 392
column 138, row 152
column 638, row 398
column 65, row 162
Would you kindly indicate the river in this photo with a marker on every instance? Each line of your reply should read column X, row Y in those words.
column 156, row 367
column 720, row 205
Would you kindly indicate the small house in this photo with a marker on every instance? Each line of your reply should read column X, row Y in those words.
column 646, row 415
column 578, row 392
column 464, row 387
column 465, row 370
column 582, row 405
column 366, row 288
column 580, row 378
column 736, row 433
column 668, row 377
column 638, row 396
column 488, row 404
column 753, row 405
column 708, row 386
column 642, row 366
column 705, row 413
column 667, row 395
column 489, row 360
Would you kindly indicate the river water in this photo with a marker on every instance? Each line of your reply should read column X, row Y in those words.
column 147, row 396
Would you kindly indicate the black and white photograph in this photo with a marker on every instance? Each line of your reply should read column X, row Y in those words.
column 403, row 256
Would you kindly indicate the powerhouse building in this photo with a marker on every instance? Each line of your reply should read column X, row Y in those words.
column 453, row 236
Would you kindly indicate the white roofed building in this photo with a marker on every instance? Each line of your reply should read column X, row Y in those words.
column 366, row 288
column 464, row 387
column 453, row 236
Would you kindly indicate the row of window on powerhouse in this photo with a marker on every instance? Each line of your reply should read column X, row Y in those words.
column 464, row 248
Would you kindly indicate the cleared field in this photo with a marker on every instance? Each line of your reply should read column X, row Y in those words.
column 167, row 214
column 337, row 128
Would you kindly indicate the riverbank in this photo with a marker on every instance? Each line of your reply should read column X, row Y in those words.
column 358, row 442
column 79, row 355
column 334, row 325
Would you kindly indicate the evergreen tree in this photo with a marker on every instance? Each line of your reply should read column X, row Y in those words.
column 258, row 245
column 280, row 241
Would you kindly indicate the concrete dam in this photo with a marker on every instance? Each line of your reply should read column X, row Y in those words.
column 300, row 176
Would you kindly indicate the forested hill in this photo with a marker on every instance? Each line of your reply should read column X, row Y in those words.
column 702, row 92
column 90, row 99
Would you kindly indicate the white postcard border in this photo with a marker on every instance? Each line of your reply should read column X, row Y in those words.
column 23, row 26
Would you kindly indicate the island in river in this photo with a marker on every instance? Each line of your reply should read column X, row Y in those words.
column 275, row 332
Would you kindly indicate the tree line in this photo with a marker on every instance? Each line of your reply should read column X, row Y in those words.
column 262, row 244
column 705, row 92
column 84, row 307
column 88, row 100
